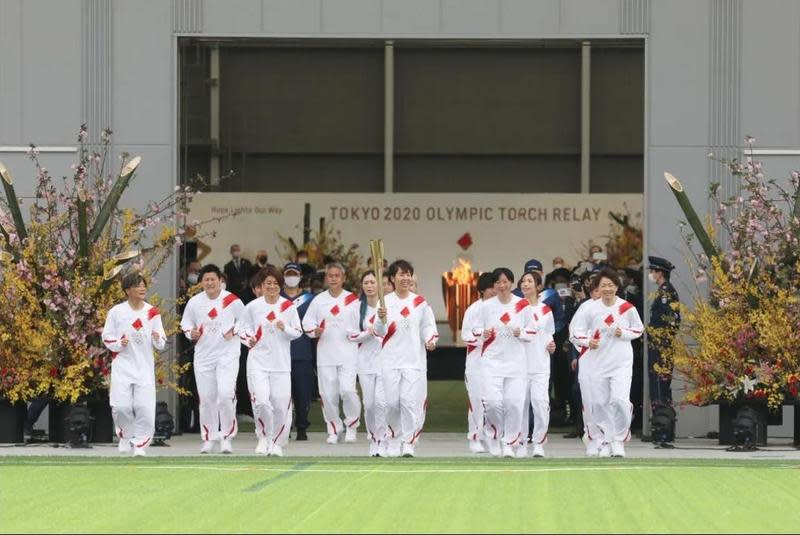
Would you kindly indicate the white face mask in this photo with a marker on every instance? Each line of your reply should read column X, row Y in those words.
column 292, row 281
column 192, row 278
column 652, row 277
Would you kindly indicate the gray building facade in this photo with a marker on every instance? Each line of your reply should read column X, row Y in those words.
column 715, row 70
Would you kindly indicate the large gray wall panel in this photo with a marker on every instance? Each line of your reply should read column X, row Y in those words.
column 531, row 17
column 292, row 16
column 351, row 17
column 51, row 67
column 231, row 17
column 589, row 17
column 96, row 67
column 11, row 72
column 470, row 17
column 411, row 16
column 771, row 72
column 678, row 66
column 143, row 72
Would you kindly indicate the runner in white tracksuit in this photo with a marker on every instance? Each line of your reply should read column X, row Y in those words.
column 132, row 330
column 537, row 390
column 594, row 295
column 506, row 326
column 337, row 358
column 269, row 325
column 211, row 319
column 606, row 327
column 408, row 328
column 473, row 369
column 361, row 331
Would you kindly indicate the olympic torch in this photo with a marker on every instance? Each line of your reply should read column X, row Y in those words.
column 376, row 249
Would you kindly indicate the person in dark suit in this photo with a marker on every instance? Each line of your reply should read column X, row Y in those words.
column 666, row 319
column 237, row 271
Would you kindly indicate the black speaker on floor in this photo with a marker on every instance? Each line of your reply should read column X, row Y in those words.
column 12, row 422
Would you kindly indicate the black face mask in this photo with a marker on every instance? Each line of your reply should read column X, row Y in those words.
column 262, row 259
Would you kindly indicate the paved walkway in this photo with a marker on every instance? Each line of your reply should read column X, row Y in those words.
column 432, row 445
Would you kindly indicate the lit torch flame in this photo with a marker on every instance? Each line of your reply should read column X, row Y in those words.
column 462, row 274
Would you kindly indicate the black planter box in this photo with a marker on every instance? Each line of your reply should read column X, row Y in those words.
column 12, row 422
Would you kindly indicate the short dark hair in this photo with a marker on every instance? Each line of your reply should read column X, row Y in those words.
column 485, row 281
column 594, row 282
column 132, row 280
column 398, row 265
column 264, row 273
column 502, row 271
column 210, row 268
column 610, row 274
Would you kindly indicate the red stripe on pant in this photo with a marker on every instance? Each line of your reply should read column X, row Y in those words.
column 233, row 428
column 263, row 427
column 494, row 429
column 416, row 436
column 279, row 434
column 515, row 439
column 143, row 444
column 205, row 430
column 354, row 422
column 391, row 430
column 543, row 440
column 333, row 426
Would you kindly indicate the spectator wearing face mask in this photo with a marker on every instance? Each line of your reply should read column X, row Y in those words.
column 302, row 350
column 237, row 271
column 306, row 270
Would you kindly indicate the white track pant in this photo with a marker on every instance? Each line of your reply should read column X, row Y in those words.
column 133, row 407
column 474, row 383
column 216, row 390
column 374, row 406
column 405, row 399
column 504, row 399
column 537, row 394
column 607, row 409
column 339, row 383
column 271, row 396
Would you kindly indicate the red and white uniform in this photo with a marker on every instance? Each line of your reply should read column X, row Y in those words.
column 409, row 326
column 216, row 360
column 473, row 372
column 605, row 373
column 505, row 366
column 133, row 384
column 369, row 370
column 269, row 365
column 537, row 391
column 337, row 359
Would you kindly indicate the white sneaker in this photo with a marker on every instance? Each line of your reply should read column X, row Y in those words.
column 124, row 445
column 494, row 447
column 617, row 449
column 508, row 451
column 383, row 450
column 276, row 451
column 225, row 446
column 350, row 435
column 373, row 449
column 208, row 447
column 538, row 450
column 263, row 446
column 521, row 452
column 332, row 439
column 408, row 450
column 393, row 450
column 605, row 451
column 475, row 446
column 139, row 452
column 592, row 448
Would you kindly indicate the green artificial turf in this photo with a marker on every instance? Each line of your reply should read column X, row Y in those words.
column 248, row 494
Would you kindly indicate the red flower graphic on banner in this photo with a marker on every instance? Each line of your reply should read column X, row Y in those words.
column 465, row 241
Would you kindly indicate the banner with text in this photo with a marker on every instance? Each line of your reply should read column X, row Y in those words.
column 505, row 229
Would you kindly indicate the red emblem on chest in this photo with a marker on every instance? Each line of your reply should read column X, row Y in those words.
column 271, row 316
column 505, row 318
column 335, row 310
column 213, row 313
column 609, row 320
column 138, row 324
column 405, row 312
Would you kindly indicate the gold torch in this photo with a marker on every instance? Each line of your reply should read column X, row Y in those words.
column 376, row 249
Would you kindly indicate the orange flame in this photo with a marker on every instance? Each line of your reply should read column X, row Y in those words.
column 462, row 274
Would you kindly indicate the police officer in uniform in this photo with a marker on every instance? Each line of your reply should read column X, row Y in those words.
column 667, row 320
